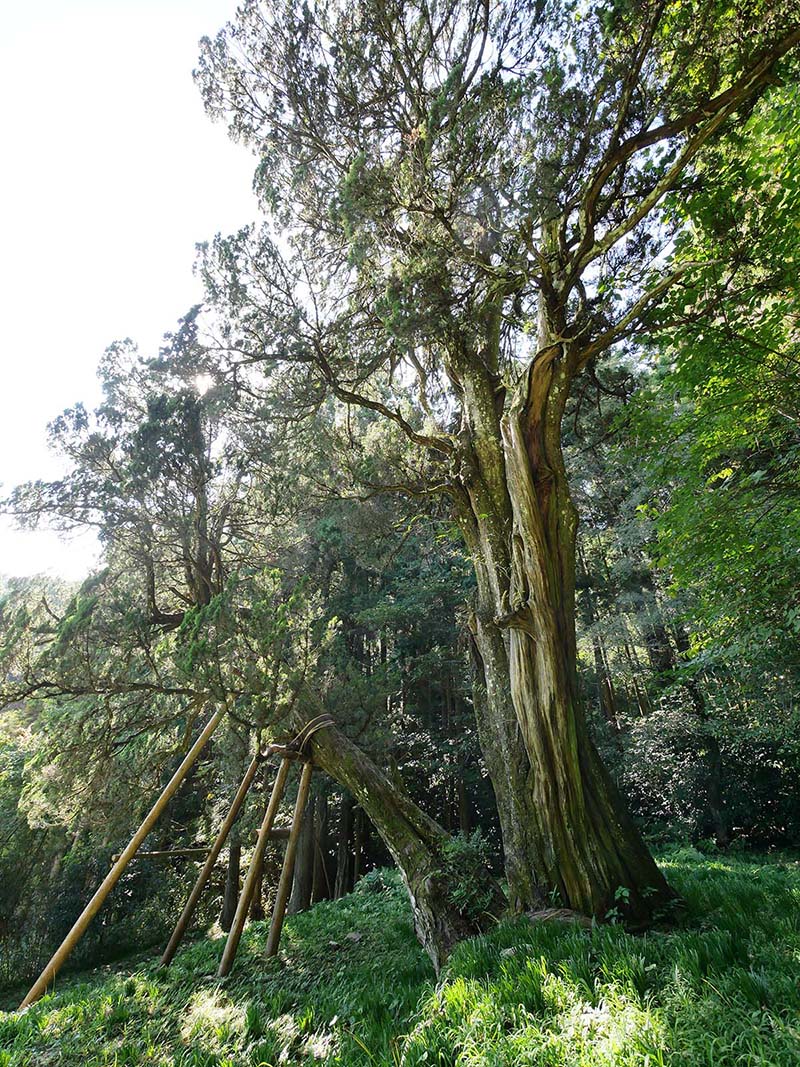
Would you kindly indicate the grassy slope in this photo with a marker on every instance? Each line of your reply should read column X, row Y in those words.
column 722, row 990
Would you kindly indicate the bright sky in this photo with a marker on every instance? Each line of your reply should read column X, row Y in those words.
column 111, row 172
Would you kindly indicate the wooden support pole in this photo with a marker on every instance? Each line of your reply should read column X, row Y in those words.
column 278, row 833
column 285, row 883
column 188, row 910
column 232, row 944
column 114, row 875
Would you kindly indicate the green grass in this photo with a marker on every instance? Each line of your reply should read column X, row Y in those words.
column 723, row 989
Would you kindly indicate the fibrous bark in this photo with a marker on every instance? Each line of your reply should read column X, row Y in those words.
column 565, row 827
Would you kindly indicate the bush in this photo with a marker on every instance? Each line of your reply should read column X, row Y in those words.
column 465, row 858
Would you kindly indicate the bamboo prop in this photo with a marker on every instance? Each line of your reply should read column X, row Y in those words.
column 232, row 944
column 285, row 883
column 114, row 875
column 189, row 907
column 256, row 912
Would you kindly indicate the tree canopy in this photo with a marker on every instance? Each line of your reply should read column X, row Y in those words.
column 519, row 265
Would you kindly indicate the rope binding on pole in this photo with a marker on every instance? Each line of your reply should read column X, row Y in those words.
column 297, row 748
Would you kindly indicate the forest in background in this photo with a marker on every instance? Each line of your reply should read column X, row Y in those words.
column 274, row 489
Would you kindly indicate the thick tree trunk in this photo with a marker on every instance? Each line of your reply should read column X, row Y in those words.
column 416, row 843
column 565, row 828
column 504, row 754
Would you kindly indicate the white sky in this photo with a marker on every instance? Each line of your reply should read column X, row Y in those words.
column 110, row 173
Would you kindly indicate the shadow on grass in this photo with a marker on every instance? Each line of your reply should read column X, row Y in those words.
column 326, row 995
column 720, row 989
column 352, row 987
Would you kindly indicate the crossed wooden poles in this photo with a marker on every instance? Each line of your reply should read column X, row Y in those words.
column 296, row 750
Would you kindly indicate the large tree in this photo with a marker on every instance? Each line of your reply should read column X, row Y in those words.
column 471, row 203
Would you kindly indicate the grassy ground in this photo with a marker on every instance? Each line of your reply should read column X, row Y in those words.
column 724, row 989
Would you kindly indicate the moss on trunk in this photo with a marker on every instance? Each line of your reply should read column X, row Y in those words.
column 565, row 827
column 419, row 847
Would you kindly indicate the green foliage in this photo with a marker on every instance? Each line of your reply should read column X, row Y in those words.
column 725, row 393
column 463, row 857
column 719, row 990
column 435, row 176
column 376, row 881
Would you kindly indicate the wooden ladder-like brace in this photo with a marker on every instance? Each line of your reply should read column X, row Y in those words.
column 293, row 751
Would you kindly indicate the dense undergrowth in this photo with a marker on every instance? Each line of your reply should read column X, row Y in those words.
column 721, row 989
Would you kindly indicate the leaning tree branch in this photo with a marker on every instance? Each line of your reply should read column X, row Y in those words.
column 438, row 444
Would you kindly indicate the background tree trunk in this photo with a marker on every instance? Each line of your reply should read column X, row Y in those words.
column 344, row 865
column 464, row 820
column 256, row 913
column 231, row 895
column 303, row 881
column 321, row 887
column 358, row 844
column 715, row 809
